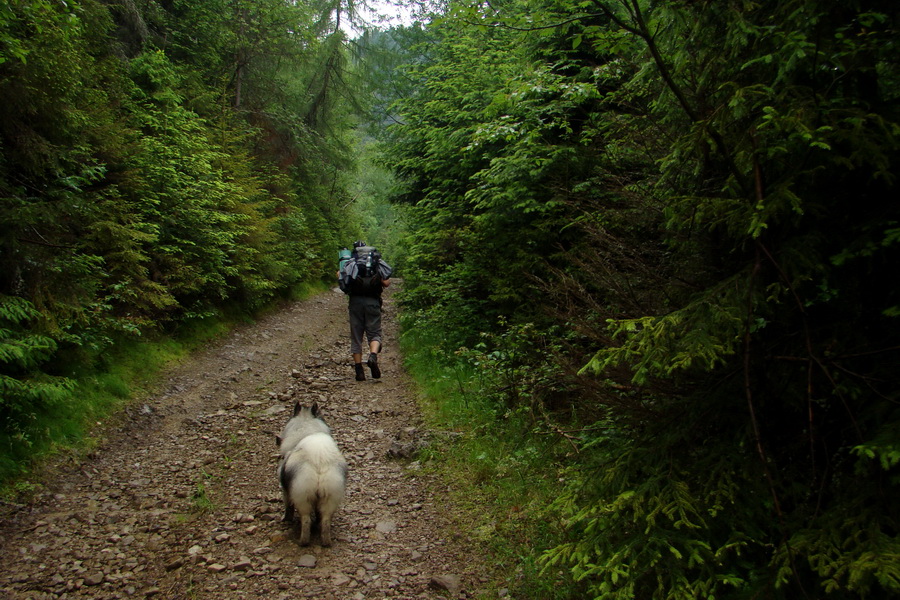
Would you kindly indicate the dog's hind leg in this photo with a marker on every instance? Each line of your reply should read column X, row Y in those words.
column 285, row 477
column 327, row 507
column 331, row 494
column 305, row 529
column 326, row 530
column 288, row 510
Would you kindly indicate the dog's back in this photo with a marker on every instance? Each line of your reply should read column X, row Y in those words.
column 314, row 473
column 304, row 422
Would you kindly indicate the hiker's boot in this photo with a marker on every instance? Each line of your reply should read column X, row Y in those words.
column 360, row 373
column 373, row 365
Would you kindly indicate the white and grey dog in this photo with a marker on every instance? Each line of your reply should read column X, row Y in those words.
column 312, row 472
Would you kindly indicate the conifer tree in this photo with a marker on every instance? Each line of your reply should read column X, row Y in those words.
column 711, row 186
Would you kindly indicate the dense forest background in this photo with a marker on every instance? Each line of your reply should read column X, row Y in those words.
column 650, row 253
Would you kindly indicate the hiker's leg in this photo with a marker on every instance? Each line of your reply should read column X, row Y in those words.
column 357, row 312
column 373, row 325
column 357, row 330
column 373, row 333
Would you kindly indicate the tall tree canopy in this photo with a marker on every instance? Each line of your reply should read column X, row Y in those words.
column 701, row 198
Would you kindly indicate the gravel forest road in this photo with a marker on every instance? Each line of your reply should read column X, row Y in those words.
column 180, row 500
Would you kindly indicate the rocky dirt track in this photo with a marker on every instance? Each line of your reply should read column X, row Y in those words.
column 181, row 499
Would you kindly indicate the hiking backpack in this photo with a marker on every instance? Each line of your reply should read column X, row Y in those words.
column 362, row 274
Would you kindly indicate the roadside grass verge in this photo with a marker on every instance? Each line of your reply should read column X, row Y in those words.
column 501, row 467
column 127, row 372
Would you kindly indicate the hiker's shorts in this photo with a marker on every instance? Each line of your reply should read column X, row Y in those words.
column 365, row 319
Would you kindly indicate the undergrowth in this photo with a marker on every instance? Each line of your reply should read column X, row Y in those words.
column 502, row 465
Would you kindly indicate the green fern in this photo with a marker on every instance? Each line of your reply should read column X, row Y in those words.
column 23, row 387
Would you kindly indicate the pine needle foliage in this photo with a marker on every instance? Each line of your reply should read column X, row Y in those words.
column 702, row 194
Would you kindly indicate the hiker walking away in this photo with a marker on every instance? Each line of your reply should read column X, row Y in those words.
column 363, row 277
